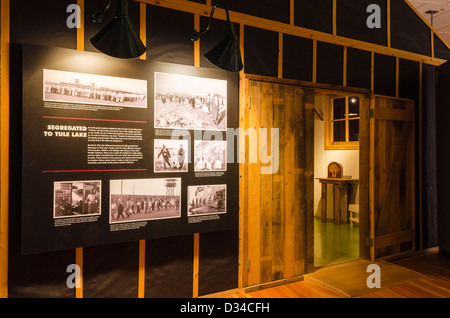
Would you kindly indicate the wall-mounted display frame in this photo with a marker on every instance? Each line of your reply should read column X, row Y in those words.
column 93, row 133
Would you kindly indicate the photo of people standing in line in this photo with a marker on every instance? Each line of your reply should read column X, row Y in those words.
column 188, row 102
column 76, row 198
column 144, row 199
column 171, row 155
column 89, row 89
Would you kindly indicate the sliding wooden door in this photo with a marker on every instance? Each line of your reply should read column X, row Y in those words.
column 277, row 207
column 392, row 172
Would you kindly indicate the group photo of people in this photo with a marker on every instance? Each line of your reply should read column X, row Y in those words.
column 186, row 102
column 76, row 198
column 94, row 89
column 210, row 155
column 171, row 155
column 144, row 199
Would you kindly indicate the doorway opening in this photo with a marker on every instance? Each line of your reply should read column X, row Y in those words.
column 336, row 171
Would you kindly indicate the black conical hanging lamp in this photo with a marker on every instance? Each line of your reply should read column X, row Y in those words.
column 118, row 38
column 226, row 54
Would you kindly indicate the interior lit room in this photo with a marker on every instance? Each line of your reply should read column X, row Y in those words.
column 208, row 151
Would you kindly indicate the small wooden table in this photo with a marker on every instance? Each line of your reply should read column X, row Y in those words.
column 337, row 183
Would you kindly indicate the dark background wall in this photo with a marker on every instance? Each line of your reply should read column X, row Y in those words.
column 112, row 271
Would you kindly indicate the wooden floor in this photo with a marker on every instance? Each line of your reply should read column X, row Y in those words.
column 433, row 265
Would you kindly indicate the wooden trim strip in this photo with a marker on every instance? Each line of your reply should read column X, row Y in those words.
column 195, row 265
column 143, row 27
column 334, row 17
column 292, row 12
column 314, row 66
column 262, row 23
column 197, row 43
column 141, row 275
column 80, row 30
column 79, row 262
column 4, row 140
column 143, row 37
column 328, row 87
column 79, row 251
column 388, row 22
column 432, row 44
column 280, row 55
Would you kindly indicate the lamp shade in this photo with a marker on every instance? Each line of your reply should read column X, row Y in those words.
column 227, row 54
column 118, row 38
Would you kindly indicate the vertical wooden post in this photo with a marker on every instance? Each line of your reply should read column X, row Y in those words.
column 196, row 235
column 143, row 37
column 280, row 55
column 4, row 161
column 79, row 251
column 314, row 76
column 388, row 4
column 292, row 12
column 334, row 17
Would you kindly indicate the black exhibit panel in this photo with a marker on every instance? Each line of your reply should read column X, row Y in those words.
column 318, row 17
column 54, row 32
column 167, row 35
column 297, row 58
column 260, row 52
column 212, row 37
column 359, row 66
column 352, row 18
column 384, row 75
column 441, row 50
column 273, row 10
column 330, row 63
column 408, row 31
column 409, row 80
column 443, row 156
column 94, row 7
column 126, row 150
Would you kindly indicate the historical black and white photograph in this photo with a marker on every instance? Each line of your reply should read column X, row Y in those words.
column 207, row 199
column 188, row 102
column 171, row 155
column 144, row 199
column 76, row 198
column 210, row 155
column 79, row 88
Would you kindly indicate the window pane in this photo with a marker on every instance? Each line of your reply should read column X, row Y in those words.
column 339, row 131
column 353, row 107
column 353, row 130
column 339, row 108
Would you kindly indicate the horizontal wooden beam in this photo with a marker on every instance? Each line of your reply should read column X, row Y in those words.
column 319, row 86
column 393, row 114
column 394, row 238
column 262, row 23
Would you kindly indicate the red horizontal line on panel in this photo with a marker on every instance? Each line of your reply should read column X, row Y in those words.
column 95, row 119
column 100, row 170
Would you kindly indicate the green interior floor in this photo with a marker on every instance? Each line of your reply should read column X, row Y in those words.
column 334, row 243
